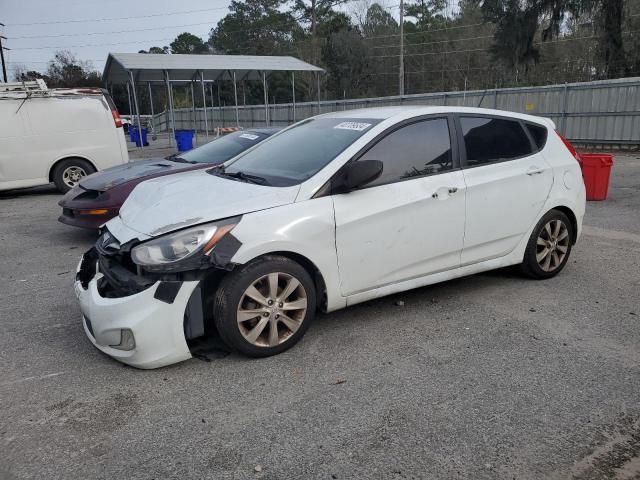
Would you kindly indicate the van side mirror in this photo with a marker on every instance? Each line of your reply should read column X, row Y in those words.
column 357, row 174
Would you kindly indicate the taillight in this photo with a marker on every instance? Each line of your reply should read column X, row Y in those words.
column 570, row 147
column 116, row 118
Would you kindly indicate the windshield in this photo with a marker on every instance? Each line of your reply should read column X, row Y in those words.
column 299, row 152
column 223, row 148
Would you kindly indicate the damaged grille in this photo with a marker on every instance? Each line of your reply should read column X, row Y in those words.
column 120, row 275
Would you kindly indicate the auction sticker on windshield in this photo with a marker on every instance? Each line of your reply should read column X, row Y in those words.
column 357, row 126
column 248, row 136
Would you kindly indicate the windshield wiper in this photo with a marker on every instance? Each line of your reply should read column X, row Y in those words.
column 245, row 177
column 180, row 159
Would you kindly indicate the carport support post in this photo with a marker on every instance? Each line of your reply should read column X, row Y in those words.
column 293, row 91
column 204, row 105
column 266, row 99
column 213, row 123
column 135, row 101
column 318, row 83
column 150, row 101
column 129, row 100
column 235, row 97
column 171, row 116
column 194, row 118
column 220, row 106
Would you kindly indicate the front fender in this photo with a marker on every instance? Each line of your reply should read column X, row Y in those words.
column 305, row 228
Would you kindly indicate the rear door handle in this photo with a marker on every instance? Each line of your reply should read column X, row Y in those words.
column 453, row 190
column 534, row 171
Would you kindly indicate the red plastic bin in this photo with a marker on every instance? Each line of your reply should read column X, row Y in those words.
column 596, row 170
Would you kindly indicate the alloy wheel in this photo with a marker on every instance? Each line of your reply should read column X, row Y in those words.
column 552, row 245
column 272, row 309
column 72, row 175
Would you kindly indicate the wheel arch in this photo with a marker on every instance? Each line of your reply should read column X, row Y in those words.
column 68, row 157
column 572, row 218
column 311, row 268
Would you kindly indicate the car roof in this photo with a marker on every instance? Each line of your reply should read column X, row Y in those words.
column 384, row 113
column 264, row 131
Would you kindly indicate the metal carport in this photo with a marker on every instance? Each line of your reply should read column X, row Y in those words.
column 139, row 68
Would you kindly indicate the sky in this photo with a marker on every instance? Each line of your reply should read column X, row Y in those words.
column 91, row 29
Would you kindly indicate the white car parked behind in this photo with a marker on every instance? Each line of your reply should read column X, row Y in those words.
column 58, row 135
column 335, row 210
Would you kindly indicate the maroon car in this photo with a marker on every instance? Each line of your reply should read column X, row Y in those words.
column 98, row 197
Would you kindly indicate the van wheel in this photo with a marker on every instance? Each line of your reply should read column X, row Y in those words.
column 549, row 246
column 263, row 308
column 68, row 173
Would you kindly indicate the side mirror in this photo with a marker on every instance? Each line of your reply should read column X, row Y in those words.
column 357, row 174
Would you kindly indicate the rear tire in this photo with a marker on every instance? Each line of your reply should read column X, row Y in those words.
column 263, row 308
column 549, row 246
column 68, row 173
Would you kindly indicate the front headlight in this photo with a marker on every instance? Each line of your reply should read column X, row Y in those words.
column 174, row 249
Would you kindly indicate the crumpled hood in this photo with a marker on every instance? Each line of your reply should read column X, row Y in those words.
column 111, row 177
column 172, row 202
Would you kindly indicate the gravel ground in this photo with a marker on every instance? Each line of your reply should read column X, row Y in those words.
column 490, row 376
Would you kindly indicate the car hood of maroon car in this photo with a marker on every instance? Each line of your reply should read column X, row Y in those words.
column 114, row 176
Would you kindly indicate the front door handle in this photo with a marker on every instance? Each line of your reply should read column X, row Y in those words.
column 534, row 171
column 442, row 190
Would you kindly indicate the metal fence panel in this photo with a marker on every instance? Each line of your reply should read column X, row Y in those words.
column 602, row 112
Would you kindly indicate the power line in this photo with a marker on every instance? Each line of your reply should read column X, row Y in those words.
column 339, row 2
column 136, row 17
column 113, row 32
column 547, row 42
column 432, row 43
column 422, row 32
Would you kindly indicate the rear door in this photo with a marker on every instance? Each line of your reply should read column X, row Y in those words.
column 508, row 182
column 410, row 221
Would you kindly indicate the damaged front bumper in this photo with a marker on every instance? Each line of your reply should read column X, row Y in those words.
column 145, row 328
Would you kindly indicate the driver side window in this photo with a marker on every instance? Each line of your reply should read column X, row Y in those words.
column 415, row 150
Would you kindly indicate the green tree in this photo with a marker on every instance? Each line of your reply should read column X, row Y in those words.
column 66, row 71
column 156, row 50
column 344, row 56
column 188, row 43
column 257, row 27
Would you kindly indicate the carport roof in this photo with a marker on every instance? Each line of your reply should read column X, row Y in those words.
column 150, row 67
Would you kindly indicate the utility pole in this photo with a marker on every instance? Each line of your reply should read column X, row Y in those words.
column 401, row 71
column 2, row 49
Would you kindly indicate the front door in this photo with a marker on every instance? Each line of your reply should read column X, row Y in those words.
column 410, row 221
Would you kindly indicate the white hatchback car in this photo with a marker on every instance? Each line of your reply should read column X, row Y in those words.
column 335, row 210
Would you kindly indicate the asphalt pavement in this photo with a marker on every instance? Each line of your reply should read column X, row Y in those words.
column 487, row 377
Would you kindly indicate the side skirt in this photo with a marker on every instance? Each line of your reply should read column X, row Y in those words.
column 435, row 278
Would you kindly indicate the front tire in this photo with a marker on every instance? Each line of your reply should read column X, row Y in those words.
column 68, row 173
column 549, row 246
column 263, row 308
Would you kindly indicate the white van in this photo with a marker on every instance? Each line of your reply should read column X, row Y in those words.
column 56, row 135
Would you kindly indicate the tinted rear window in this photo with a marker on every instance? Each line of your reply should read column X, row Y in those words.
column 539, row 134
column 493, row 139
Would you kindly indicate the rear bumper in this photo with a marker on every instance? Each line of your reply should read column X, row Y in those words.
column 157, row 326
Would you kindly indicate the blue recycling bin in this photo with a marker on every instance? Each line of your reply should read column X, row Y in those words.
column 137, row 138
column 184, row 139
